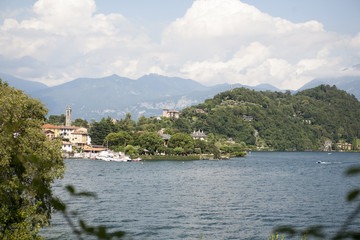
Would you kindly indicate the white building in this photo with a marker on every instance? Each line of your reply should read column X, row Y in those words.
column 66, row 147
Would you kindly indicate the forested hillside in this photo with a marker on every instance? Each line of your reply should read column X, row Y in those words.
column 312, row 119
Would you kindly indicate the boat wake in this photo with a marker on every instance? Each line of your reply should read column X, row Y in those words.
column 321, row 162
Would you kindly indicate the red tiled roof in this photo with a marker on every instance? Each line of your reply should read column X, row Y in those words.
column 49, row 126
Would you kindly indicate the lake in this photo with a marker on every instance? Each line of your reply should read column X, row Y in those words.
column 240, row 198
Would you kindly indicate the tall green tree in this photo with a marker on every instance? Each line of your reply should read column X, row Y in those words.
column 182, row 140
column 121, row 138
column 80, row 123
column 29, row 163
column 99, row 130
column 151, row 141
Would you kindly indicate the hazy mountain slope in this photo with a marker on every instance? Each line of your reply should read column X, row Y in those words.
column 350, row 84
column 25, row 85
column 113, row 95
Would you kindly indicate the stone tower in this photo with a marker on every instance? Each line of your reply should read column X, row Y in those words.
column 68, row 117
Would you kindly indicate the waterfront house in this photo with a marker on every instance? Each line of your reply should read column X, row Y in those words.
column 66, row 147
column 94, row 148
column 198, row 135
column 344, row 146
column 79, row 138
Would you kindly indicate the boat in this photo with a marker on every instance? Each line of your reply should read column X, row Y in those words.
column 110, row 157
column 136, row 159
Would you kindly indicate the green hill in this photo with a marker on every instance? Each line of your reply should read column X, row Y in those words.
column 309, row 120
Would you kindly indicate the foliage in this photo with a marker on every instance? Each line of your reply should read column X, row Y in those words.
column 281, row 121
column 276, row 237
column 56, row 119
column 131, row 150
column 99, row 130
column 29, row 164
column 81, row 229
column 80, row 123
column 151, row 141
column 309, row 120
column 182, row 141
column 117, row 139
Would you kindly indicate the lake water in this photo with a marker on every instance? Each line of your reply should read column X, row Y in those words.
column 241, row 198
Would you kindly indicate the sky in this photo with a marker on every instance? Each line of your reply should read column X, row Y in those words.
column 286, row 43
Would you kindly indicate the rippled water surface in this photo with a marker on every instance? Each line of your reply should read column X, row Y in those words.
column 241, row 198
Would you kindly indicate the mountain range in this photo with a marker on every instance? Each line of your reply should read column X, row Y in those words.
column 114, row 96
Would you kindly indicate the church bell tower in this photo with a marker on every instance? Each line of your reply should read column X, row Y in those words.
column 68, row 117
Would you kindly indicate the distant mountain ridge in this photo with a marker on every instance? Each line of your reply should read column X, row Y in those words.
column 27, row 86
column 115, row 96
column 350, row 84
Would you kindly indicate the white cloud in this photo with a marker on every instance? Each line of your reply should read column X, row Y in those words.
column 292, row 53
column 72, row 41
column 216, row 41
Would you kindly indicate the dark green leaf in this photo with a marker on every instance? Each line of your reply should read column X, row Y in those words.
column 287, row 230
column 353, row 194
column 70, row 189
column 58, row 205
column 353, row 171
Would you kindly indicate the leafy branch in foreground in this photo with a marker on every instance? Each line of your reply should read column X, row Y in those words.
column 29, row 163
column 81, row 229
column 343, row 232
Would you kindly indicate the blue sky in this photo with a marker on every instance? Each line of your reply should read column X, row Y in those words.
column 282, row 42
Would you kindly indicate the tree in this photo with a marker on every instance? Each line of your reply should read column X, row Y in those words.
column 80, row 123
column 57, row 119
column 100, row 130
column 182, row 140
column 130, row 150
column 151, row 141
column 118, row 139
column 29, row 164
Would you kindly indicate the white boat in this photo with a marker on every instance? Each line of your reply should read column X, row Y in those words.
column 110, row 157
column 121, row 159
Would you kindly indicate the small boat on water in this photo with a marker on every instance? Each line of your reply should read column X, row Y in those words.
column 110, row 157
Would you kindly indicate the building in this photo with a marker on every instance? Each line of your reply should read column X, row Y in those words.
column 247, row 118
column 164, row 136
column 79, row 138
column 68, row 117
column 50, row 134
column 344, row 146
column 94, row 149
column 198, row 135
column 66, row 147
column 198, row 110
column 66, row 131
column 170, row 114
column 51, row 131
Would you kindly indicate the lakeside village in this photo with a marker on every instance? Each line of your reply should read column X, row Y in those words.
column 76, row 142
